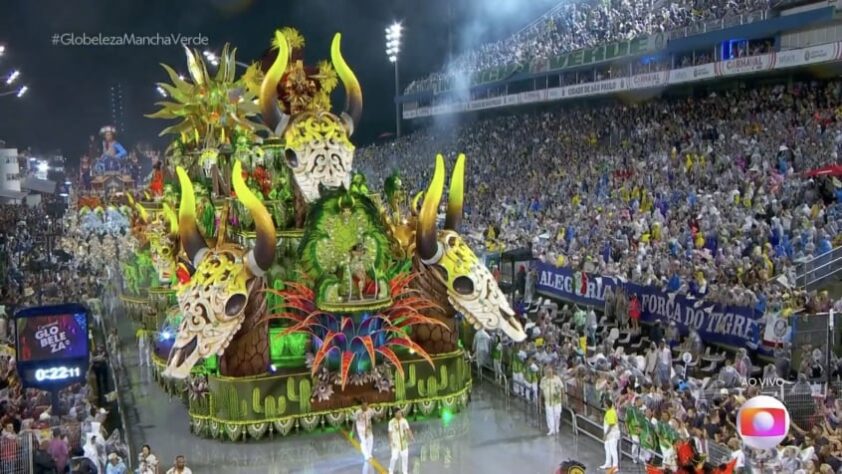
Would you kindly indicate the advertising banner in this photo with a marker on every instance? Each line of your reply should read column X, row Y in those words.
column 593, row 88
column 652, row 79
column 749, row 64
column 693, row 73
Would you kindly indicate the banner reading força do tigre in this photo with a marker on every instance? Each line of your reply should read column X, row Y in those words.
column 728, row 325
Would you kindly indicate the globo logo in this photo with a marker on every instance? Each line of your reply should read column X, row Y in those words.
column 763, row 422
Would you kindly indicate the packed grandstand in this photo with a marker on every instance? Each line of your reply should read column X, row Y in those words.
column 584, row 23
column 719, row 194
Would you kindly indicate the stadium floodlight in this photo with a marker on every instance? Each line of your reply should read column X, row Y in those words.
column 213, row 58
column 2, row 49
column 22, row 91
column 161, row 91
column 393, row 49
column 12, row 77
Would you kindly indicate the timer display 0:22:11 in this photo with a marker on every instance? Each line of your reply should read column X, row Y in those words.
column 57, row 373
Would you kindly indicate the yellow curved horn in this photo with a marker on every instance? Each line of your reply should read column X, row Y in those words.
column 144, row 216
column 191, row 239
column 426, row 244
column 172, row 217
column 353, row 91
column 263, row 253
column 415, row 201
column 456, row 195
column 269, row 107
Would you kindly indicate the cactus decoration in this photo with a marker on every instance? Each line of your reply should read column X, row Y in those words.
column 232, row 401
column 443, row 380
column 400, row 388
column 255, row 401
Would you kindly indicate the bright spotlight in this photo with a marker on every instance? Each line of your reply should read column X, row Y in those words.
column 22, row 91
column 2, row 50
column 43, row 166
column 446, row 416
column 12, row 77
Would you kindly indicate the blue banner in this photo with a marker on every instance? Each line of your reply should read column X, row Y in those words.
column 718, row 324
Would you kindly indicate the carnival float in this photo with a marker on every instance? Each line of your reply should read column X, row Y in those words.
column 281, row 290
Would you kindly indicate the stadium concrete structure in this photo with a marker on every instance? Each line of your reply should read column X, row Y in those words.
column 487, row 430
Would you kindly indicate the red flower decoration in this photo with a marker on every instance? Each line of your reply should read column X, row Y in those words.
column 182, row 274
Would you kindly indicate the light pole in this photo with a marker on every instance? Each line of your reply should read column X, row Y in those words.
column 393, row 48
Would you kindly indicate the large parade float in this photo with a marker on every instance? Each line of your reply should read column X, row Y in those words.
column 281, row 290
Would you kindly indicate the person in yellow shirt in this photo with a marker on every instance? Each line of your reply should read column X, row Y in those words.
column 700, row 240
column 611, row 432
column 656, row 231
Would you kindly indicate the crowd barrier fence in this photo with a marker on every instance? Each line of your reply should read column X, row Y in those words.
column 16, row 453
column 583, row 412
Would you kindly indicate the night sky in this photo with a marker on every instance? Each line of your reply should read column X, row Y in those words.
column 67, row 99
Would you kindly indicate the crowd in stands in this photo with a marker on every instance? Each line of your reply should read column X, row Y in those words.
column 705, row 196
column 38, row 269
column 661, row 399
column 585, row 23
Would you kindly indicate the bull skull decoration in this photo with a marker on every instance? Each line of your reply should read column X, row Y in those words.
column 318, row 149
column 222, row 300
column 445, row 258
column 163, row 244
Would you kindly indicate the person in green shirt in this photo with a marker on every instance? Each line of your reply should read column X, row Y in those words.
column 635, row 423
column 518, row 366
column 551, row 388
column 611, row 431
column 531, row 375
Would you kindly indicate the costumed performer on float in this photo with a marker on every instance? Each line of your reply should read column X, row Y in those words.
column 113, row 152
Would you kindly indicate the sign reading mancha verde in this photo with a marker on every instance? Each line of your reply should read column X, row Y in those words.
column 598, row 54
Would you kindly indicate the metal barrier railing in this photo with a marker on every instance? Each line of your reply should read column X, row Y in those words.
column 813, row 272
column 16, row 454
column 720, row 24
column 118, row 371
column 582, row 411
